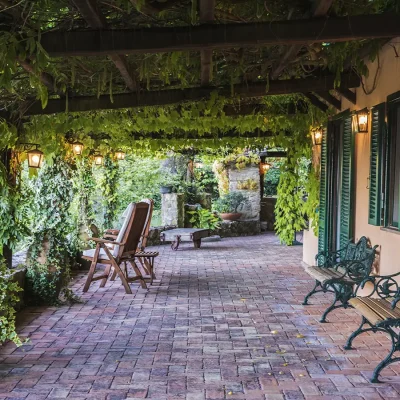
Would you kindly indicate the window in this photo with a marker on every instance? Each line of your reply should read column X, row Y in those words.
column 393, row 162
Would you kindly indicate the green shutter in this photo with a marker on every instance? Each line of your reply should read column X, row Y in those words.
column 346, row 203
column 323, row 198
column 375, row 188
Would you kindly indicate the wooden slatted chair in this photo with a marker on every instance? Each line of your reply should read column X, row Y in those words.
column 145, row 258
column 124, row 249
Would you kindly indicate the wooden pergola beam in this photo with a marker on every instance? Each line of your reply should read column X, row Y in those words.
column 155, row 40
column 325, row 95
column 206, row 15
column 348, row 94
column 315, row 101
column 96, row 20
column 174, row 96
column 319, row 9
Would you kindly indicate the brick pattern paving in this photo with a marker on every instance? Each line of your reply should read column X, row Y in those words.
column 222, row 322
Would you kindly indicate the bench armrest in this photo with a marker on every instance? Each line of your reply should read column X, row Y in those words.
column 384, row 286
column 103, row 241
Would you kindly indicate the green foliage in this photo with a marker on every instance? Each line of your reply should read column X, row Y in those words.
column 50, row 256
column 311, row 205
column 289, row 207
column 230, row 203
column 248, row 184
column 107, row 179
column 13, row 212
column 8, row 299
column 271, row 180
column 206, row 180
column 203, row 218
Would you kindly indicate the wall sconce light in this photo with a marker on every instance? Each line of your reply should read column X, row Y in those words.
column 120, row 155
column 264, row 167
column 77, row 148
column 98, row 159
column 316, row 136
column 362, row 121
column 35, row 157
column 198, row 164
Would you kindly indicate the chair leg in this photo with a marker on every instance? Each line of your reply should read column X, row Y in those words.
column 114, row 275
column 117, row 268
column 138, row 274
column 144, row 265
column 314, row 290
column 106, row 272
column 92, row 269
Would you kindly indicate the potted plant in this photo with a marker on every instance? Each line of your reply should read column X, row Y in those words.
column 169, row 183
column 227, row 206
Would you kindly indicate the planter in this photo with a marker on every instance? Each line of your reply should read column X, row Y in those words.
column 230, row 216
column 166, row 189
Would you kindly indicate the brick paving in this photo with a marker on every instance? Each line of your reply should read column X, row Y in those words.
column 222, row 322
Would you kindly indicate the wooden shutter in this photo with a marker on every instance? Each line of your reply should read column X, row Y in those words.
column 323, row 197
column 375, row 183
column 346, row 203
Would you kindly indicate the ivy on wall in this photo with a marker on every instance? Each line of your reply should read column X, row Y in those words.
column 50, row 255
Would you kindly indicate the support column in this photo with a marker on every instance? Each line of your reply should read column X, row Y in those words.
column 173, row 209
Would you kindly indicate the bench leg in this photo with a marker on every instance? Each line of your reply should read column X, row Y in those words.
column 313, row 291
column 358, row 331
column 343, row 294
column 389, row 359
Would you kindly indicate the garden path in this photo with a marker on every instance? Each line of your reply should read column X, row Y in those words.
column 222, row 322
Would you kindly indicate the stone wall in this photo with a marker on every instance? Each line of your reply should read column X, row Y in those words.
column 239, row 176
column 173, row 209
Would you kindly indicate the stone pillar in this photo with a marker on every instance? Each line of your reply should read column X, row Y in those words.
column 247, row 180
column 173, row 209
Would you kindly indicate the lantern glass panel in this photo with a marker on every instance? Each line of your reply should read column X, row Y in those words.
column 35, row 158
column 362, row 120
column 77, row 148
column 120, row 155
column 98, row 159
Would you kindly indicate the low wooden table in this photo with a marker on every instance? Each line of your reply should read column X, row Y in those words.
column 176, row 236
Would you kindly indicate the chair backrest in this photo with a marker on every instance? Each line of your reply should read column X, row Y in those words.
column 146, row 230
column 132, row 229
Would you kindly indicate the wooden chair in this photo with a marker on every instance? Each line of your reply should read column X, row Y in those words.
column 146, row 259
column 124, row 248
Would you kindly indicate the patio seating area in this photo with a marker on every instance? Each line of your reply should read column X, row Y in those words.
column 221, row 322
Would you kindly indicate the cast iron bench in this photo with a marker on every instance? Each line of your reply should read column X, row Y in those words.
column 339, row 271
column 379, row 313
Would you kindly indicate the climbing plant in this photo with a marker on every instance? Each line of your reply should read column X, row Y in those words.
column 50, row 256
column 8, row 299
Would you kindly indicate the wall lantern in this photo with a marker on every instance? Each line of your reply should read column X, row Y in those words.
column 316, row 135
column 265, row 167
column 362, row 121
column 98, row 159
column 77, row 148
column 198, row 164
column 35, row 158
column 120, row 155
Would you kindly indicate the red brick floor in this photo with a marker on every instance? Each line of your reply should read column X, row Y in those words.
column 222, row 322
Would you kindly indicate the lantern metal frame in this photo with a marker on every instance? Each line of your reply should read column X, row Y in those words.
column 317, row 141
column 76, row 144
column 120, row 155
column 97, row 156
column 362, row 127
column 32, row 149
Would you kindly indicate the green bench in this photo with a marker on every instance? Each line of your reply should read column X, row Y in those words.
column 339, row 271
column 380, row 312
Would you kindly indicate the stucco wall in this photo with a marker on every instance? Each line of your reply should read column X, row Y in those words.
column 388, row 82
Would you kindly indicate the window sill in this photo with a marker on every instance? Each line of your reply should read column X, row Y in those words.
column 391, row 230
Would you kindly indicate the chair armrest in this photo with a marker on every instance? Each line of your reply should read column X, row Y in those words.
column 112, row 231
column 104, row 241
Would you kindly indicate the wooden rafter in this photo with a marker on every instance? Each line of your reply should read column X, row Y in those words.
column 314, row 100
column 325, row 95
column 155, row 40
column 165, row 97
column 206, row 15
column 93, row 16
column 320, row 8
column 348, row 94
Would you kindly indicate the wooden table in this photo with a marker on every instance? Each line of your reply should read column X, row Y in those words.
column 176, row 236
